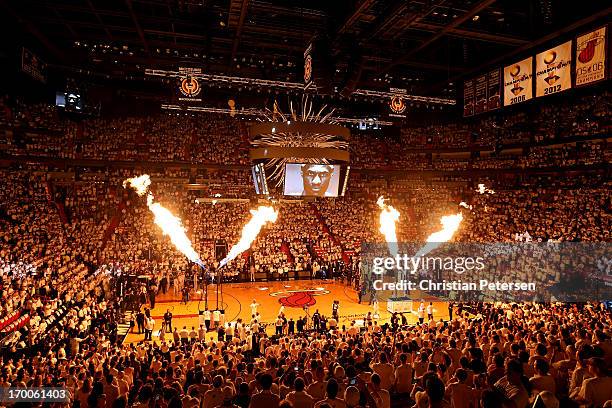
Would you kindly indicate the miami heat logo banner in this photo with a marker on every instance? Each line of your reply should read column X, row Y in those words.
column 554, row 70
column 518, row 82
column 189, row 86
column 591, row 57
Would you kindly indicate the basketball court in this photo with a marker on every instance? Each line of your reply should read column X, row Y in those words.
column 293, row 296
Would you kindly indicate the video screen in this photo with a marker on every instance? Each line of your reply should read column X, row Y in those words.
column 259, row 179
column 312, row 180
column 73, row 101
column 60, row 99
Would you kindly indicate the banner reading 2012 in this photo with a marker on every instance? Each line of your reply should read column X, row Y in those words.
column 518, row 82
column 554, row 70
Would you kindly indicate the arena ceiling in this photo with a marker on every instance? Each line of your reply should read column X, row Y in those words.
column 423, row 45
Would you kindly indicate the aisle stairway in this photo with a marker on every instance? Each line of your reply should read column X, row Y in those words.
column 114, row 223
column 59, row 206
column 123, row 328
column 287, row 251
column 62, row 212
column 327, row 230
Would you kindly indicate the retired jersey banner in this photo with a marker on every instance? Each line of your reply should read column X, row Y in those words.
column 308, row 66
column 493, row 90
column 34, row 66
column 189, row 86
column 518, row 82
column 591, row 57
column 554, row 70
column 480, row 94
column 468, row 98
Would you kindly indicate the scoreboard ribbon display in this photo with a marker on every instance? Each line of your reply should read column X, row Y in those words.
column 553, row 70
column 518, row 82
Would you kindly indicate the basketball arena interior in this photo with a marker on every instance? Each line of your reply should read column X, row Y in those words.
column 298, row 204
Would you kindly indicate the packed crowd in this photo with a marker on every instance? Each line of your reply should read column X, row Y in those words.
column 488, row 355
column 66, row 234
column 50, row 292
column 41, row 131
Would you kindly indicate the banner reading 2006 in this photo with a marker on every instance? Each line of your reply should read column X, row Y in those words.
column 554, row 70
column 591, row 57
column 518, row 80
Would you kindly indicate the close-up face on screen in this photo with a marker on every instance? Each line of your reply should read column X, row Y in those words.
column 318, row 180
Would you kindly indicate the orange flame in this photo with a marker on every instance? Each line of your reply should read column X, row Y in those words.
column 388, row 218
column 260, row 216
column 168, row 222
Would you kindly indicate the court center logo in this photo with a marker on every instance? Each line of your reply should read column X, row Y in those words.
column 299, row 298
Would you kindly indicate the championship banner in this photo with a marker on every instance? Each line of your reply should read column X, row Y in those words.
column 308, row 66
column 397, row 103
column 554, row 70
column 480, row 94
column 591, row 57
column 189, row 86
column 318, row 65
column 493, row 90
column 468, row 98
column 34, row 66
column 518, row 82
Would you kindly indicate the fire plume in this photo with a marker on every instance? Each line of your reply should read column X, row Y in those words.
column 388, row 219
column 259, row 217
column 168, row 222
column 450, row 225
